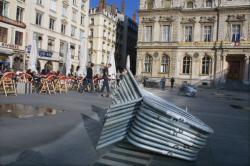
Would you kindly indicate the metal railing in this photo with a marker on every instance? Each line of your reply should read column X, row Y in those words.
column 151, row 123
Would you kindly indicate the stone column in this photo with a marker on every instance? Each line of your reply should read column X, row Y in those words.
column 11, row 59
column 246, row 78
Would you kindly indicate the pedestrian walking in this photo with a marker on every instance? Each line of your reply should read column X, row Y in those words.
column 172, row 82
column 163, row 83
column 89, row 78
column 105, row 77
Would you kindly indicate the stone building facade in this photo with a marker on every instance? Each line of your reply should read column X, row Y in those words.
column 54, row 25
column 195, row 41
column 12, row 34
column 102, row 33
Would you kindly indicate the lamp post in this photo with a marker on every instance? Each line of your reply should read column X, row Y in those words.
column 215, row 44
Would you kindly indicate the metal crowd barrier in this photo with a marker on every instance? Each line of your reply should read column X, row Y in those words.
column 151, row 123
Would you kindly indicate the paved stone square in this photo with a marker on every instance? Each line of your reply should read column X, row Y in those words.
column 62, row 139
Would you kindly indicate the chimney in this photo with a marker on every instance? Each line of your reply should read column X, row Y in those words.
column 134, row 16
column 123, row 7
column 113, row 9
column 102, row 5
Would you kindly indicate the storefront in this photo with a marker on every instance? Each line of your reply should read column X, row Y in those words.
column 5, row 59
column 11, row 57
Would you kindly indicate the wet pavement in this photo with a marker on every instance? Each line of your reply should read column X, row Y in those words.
column 61, row 139
column 25, row 111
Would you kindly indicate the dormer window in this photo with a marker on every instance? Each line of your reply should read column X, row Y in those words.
column 209, row 3
column 190, row 4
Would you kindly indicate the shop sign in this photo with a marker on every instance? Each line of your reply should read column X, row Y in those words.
column 10, row 46
column 46, row 54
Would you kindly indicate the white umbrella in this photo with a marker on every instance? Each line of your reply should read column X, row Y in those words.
column 33, row 56
column 83, row 57
column 68, row 60
column 112, row 69
column 128, row 62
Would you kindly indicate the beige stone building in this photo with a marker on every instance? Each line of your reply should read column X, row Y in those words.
column 102, row 33
column 55, row 24
column 12, row 34
column 195, row 41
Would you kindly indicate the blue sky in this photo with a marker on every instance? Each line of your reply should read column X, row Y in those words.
column 131, row 5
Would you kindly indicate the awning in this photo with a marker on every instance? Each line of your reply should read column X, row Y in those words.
column 6, row 51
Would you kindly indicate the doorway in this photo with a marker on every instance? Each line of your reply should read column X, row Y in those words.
column 235, row 67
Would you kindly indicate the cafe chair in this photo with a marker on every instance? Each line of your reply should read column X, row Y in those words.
column 47, row 84
column 8, row 83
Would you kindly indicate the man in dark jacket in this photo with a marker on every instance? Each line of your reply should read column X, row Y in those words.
column 105, row 75
column 89, row 78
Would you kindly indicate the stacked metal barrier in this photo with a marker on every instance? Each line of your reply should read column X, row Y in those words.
column 152, row 123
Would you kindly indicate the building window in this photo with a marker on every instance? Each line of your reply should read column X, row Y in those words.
column 209, row 3
column 51, row 44
column 92, row 21
column 19, row 38
column 4, row 8
column 166, row 3
column 62, row 50
column 91, row 34
column 187, row 62
column 81, row 34
column 82, row 5
column 39, row 2
column 3, row 34
column 64, row 11
column 74, row 2
column 73, row 31
column 72, row 49
column 53, row 5
column 74, row 15
column 188, row 33
column 51, row 23
column 148, row 34
column 82, row 19
column 150, row 4
column 207, row 33
column 38, row 38
column 19, row 13
column 206, row 65
column 190, row 4
column 148, row 63
column 166, row 33
column 63, row 28
column 165, row 64
column 236, row 32
column 39, row 19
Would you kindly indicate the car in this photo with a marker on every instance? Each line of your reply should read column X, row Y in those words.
column 188, row 90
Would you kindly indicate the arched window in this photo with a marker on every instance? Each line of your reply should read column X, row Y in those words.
column 190, row 4
column 209, row 3
column 165, row 64
column 150, row 4
column 187, row 64
column 148, row 63
column 206, row 65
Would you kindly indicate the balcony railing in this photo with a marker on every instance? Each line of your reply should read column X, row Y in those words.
column 12, row 22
